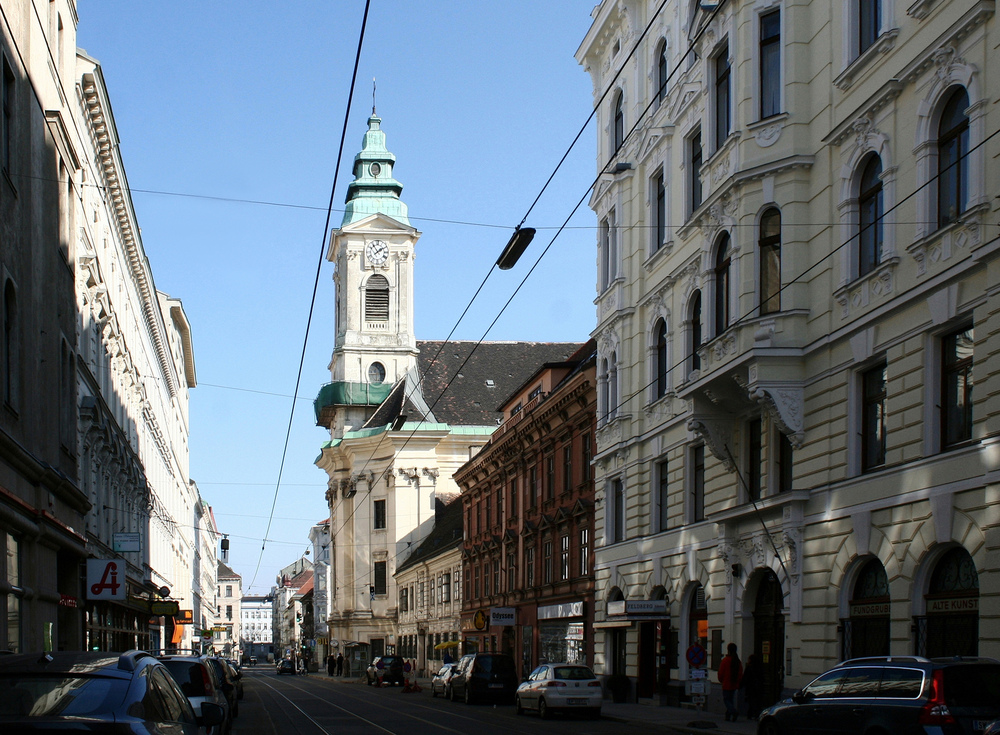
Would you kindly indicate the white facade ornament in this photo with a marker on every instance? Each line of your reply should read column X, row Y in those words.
column 716, row 434
column 768, row 135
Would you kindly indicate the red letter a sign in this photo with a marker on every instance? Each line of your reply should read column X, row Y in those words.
column 105, row 579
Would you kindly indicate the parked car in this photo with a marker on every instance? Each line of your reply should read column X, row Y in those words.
column 902, row 695
column 439, row 682
column 560, row 687
column 199, row 683
column 253, row 660
column 385, row 670
column 130, row 692
column 228, row 682
column 238, row 669
column 286, row 666
column 484, row 676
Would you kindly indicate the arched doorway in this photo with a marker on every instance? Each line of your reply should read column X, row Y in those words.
column 866, row 630
column 951, row 625
column 769, row 636
column 617, row 639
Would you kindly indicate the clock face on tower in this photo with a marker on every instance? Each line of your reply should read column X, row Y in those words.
column 376, row 251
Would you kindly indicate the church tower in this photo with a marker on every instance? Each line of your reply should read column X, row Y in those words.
column 373, row 255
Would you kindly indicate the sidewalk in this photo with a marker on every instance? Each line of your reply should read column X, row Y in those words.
column 676, row 719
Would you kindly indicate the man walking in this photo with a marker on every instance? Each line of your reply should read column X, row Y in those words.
column 730, row 676
column 340, row 664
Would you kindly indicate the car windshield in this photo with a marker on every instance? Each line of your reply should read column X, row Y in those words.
column 391, row 661
column 572, row 672
column 972, row 686
column 60, row 695
column 495, row 665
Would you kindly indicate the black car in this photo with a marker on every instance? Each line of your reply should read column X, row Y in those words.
column 286, row 666
column 901, row 695
column 385, row 670
column 484, row 676
column 229, row 682
column 131, row 692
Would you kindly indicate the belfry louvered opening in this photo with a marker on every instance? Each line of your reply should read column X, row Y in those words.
column 377, row 299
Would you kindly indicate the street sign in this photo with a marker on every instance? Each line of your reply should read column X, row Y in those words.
column 126, row 542
column 696, row 655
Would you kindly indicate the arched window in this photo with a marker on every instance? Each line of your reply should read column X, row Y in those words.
column 870, row 206
column 662, row 73
column 661, row 358
column 953, row 167
column 951, row 627
column 696, row 330
column 866, row 631
column 377, row 299
column 769, row 247
column 618, row 131
column 723, row 263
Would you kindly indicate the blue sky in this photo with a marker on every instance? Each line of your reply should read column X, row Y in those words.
column 220, row 103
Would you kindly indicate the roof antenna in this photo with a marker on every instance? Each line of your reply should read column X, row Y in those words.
column 373, row 98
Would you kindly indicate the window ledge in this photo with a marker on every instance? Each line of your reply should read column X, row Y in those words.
column 883, row 44
column 858, row 294
column 661, row 252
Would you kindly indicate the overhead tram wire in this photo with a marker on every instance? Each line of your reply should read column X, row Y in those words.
column 559, row 231
column 319, row 266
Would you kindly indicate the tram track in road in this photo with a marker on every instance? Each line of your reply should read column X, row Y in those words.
column 319, row 727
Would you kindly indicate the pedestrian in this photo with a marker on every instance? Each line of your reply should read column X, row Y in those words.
column 730, row 674
column 753, row 686
column 340, row 664
column 447, row 657
column 331, row 665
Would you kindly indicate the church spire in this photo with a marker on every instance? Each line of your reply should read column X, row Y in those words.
column 373, row 189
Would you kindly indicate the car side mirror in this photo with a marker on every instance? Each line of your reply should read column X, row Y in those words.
column 802, row 696
column 211, row 715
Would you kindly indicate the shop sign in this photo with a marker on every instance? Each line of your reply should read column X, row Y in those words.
column 164, row 607
column 637, row 607
column 869, row 610
column 502, row 616
column 564, row 610
column 126, row 542
column 67, row 600
column 953, row 605
column 574, row 631
column 105, row 579
column 480, row 620
column 184, row 617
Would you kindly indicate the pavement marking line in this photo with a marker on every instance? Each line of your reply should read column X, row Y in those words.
column 318, row 726
column 393, row 709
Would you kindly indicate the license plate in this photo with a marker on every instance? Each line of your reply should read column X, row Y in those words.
column 980, row 725
column 576, row 701
column 496, row 686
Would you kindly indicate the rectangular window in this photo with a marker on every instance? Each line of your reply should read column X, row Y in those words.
column 532, row 486
column 698, row 483
column 564, row 557
column 784, row 463
column 659, row 212
column 723, row 117
column 379, row 511
column 13, row 570
column 604, row 233
column 7, row 133
column 547, row 562
column 229, row 590
column 487, row 589
column 404, row 599
column 770, row 64
column 475, row 582
column 617, row 511
column 584, row 552
column 513, row 498
column 446, row 587
column 229, row 612
column 567, row 468
column 755, row 452
column 586, row 457
column 511, row 572
column 529, row 567
column 489, row 512
column 380, row 577
column 869, row 23
column 956, row 387
column 662, row 496
column 873, row 418
column 550, row 477
column 694, row 184
column 496, row 576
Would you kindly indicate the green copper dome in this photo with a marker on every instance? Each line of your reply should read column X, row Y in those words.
column 373, row 189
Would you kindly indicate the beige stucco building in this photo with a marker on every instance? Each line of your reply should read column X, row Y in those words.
column 796, row 294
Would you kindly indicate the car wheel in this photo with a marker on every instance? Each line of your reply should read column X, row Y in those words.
column 451, row 693
column 517, row 706
column 768, row 727
column 434, row 691
column 468, row 694
column 543, row 709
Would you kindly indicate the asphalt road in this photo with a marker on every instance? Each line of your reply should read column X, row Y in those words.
column 318, row 705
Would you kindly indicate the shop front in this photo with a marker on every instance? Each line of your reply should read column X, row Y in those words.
column 562, row 634
column 649, row 624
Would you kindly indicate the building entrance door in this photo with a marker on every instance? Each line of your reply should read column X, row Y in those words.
column 769, row 637
column 646, row 683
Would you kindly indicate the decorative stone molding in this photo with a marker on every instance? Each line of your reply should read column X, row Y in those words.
column 715, row 433
column 883, row 44
column 785, row 405
column 966, row 234
column 723, row 346
column 880, row 283
column 920, row 9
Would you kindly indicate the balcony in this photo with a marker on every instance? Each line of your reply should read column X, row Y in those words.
column 342, row 393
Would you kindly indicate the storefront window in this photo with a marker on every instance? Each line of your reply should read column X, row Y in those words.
column 561, row 641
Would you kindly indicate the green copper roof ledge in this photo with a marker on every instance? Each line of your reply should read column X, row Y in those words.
column 350, row 394
column 373, row 190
